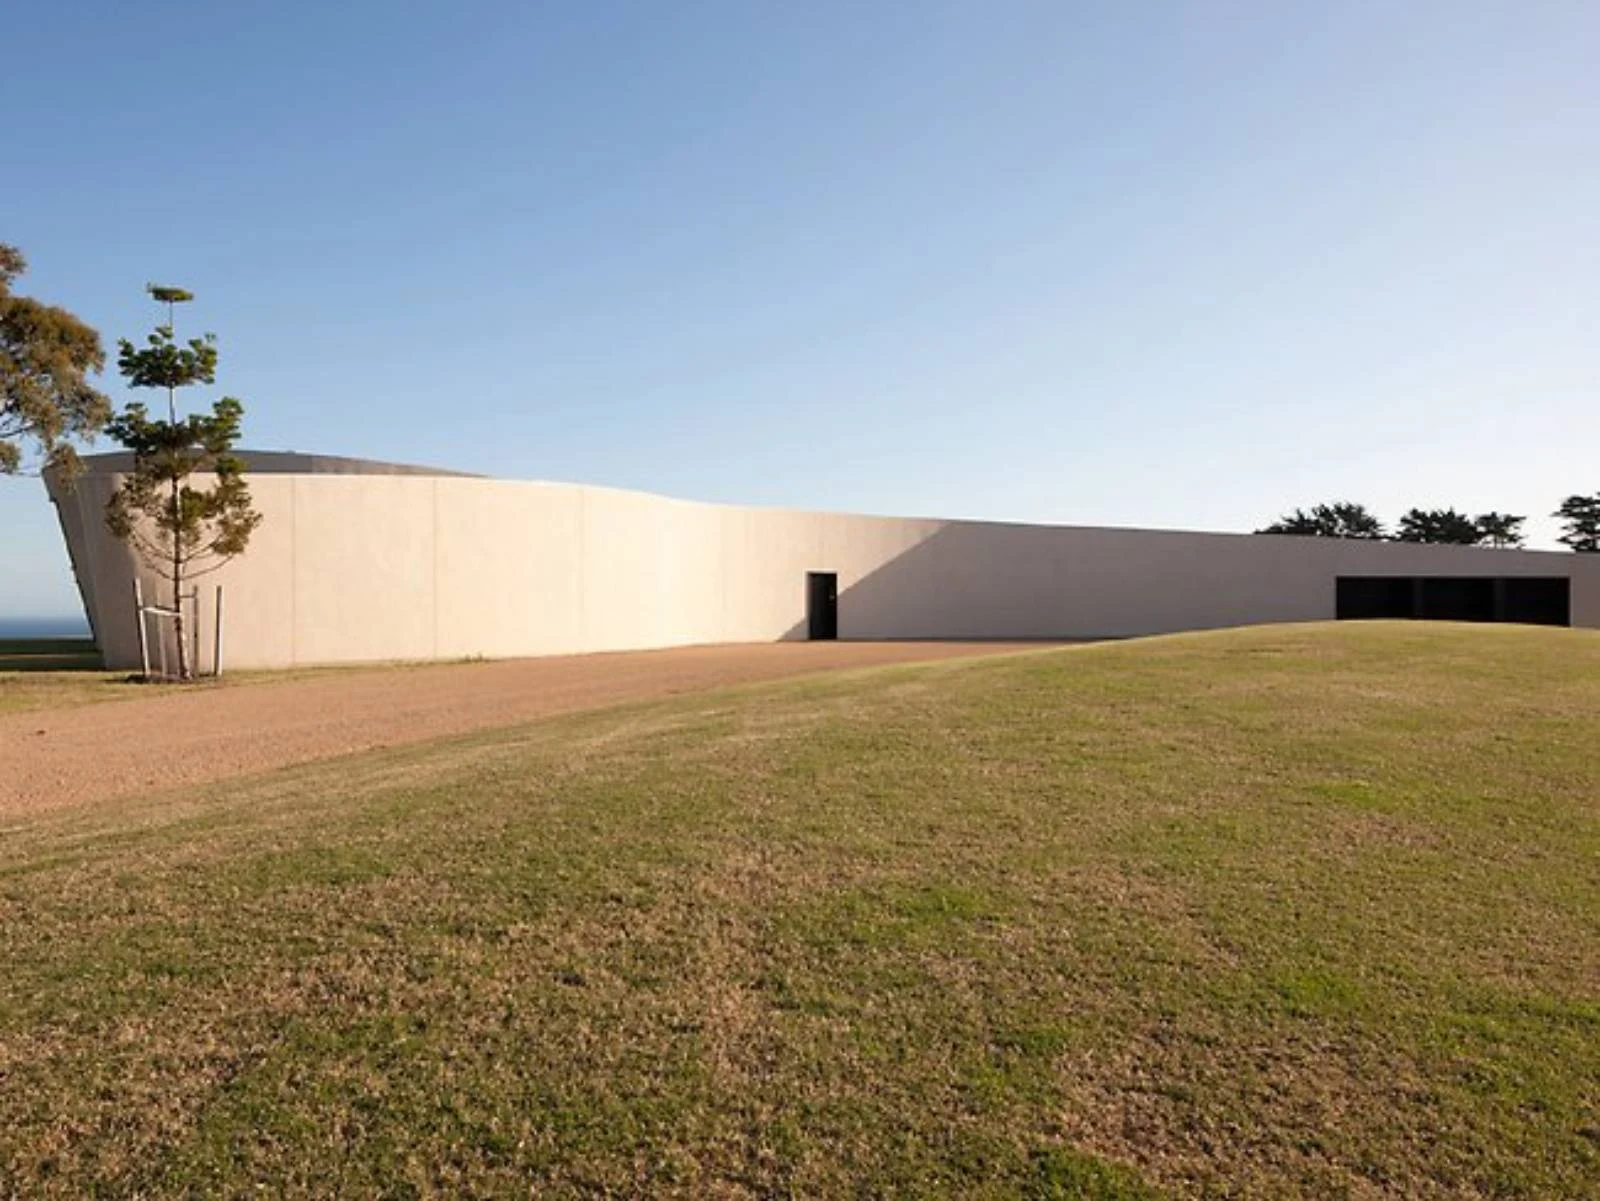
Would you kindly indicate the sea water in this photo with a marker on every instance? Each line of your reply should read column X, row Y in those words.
column 73, row 626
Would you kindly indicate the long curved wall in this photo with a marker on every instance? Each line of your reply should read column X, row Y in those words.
column 359, row 561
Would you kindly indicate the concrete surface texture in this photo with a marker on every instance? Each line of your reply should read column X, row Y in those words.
column 175, row 737
column 361, row 562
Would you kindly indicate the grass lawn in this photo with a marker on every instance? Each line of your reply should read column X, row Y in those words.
column 1306, row 911
column 48, row 673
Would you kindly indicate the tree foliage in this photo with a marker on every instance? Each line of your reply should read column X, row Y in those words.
column 1340, row 519
column 176, row 524
column 162, row 362
column 46, row 358
column 208, row 526
column 1580, row 517
column 1500, row 530
column 1444, row 526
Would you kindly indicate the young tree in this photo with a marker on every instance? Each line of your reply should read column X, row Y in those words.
column 1499, row 529
column 1341, row 519
column 46, row 358
column 1581, row 516
column 1440, row 526
column 175, row 526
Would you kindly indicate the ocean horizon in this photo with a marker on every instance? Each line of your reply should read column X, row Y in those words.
column 44, row 627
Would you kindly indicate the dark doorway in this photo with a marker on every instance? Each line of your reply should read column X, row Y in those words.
column 822, row 605
column 1457, row 598
column 1538, row 601
column 1369, row 598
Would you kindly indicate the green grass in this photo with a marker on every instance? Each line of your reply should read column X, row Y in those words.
column 48, row 654
column 1307, row 911
column 49, row 673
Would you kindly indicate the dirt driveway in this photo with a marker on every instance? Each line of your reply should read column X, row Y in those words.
column 55, row 758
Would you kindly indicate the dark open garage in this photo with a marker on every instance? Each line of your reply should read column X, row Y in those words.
column 1532, row 600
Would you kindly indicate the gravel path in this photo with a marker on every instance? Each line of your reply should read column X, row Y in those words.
column 56, row 758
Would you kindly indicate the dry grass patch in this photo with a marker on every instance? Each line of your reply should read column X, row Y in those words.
column 1303, row 911
column 62, row 673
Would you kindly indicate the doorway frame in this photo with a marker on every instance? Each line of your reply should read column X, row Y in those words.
column 822, row 606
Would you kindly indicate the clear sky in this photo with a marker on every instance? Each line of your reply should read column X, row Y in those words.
column 1181, row 265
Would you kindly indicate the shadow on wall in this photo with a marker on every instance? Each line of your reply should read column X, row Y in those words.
column 977, row 581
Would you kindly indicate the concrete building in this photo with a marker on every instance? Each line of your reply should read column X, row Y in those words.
column 359, row 561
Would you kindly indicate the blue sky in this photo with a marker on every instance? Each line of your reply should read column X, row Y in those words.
column 1170, row 265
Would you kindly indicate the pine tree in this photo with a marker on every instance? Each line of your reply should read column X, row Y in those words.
column 1500, row 529
column 1341, row 519
column 1581, row 516
column 1439, row 526
column 175, row 526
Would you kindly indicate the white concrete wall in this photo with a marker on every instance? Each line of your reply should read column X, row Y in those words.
column 358, row 562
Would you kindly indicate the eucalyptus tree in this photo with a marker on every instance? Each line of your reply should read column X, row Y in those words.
column 46, row 358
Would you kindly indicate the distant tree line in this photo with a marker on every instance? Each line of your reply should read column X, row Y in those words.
column 1579, row 517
